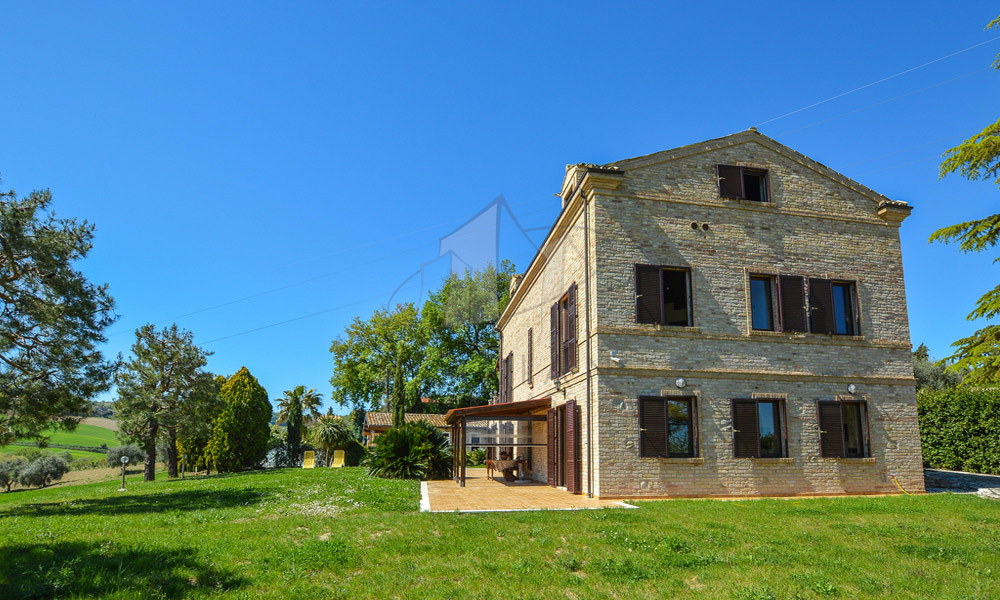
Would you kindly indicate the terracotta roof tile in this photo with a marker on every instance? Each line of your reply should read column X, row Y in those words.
column 384, row 419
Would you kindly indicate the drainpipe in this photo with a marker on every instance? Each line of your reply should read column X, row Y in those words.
column 590, row 404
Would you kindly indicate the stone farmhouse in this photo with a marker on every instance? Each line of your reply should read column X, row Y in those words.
column 723, row 319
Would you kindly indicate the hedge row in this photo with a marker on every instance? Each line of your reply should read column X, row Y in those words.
column 98, row 449
column 960, row 429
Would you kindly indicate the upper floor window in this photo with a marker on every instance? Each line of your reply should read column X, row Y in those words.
column 563, row 338
column 745, row 183
column 663, row 295
column 761, row 303
column 833, row 306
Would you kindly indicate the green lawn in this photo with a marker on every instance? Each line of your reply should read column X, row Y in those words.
column 328, row 533
column 73, row 453
column 84, row 435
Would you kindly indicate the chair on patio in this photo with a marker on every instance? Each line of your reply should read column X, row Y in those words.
column 338, row 458
column 309, row 460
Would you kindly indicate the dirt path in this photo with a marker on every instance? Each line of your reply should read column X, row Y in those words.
column 101, row 422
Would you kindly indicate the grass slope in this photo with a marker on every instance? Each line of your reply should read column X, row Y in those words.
column 84, row 435
column 328, row 533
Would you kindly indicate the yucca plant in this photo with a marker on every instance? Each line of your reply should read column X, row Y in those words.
column 411, row 451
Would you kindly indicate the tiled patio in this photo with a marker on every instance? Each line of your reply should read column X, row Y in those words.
column 484, row 495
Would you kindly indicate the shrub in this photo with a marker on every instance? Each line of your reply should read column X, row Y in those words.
column 43, row 471
column 134, row 453
column 475, row 457
column 354, row 453
column 10, row 468
column 411, row 451
column 960, row 429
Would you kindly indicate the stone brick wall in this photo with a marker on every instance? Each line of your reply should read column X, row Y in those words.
column 814, row 227
column 817, row 225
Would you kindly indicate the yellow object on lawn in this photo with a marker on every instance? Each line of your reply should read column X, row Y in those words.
column 309, row 460
column 338, row 458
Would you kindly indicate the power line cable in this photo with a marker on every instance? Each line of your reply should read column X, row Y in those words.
column 304, row 281
column 893, row 99
column 883, row 80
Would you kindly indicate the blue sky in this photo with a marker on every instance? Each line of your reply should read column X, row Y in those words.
column 229, row 153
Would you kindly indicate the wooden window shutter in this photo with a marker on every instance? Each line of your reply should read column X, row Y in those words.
column 730, row 181
column 821, row 306
column 510, row 377
column 831, row 429
column 652, row 426
column 555, row 341
column 550, row 446
column 531, row 366
column 572, row 442
column 791, row 303
column 648, row 294
column 571, row 346
column 746, row 429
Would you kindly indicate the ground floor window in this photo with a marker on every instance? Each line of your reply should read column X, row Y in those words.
column 667, row 427
column 843, row 429
column 758, row 428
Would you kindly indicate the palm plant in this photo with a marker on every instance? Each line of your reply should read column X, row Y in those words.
column 330, row 432
column 310, row 401
column 411, row 451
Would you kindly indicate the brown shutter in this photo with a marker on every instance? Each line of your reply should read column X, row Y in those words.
column 510, row 377
column 550, row 446
column 571, row 346
column 730, row 181
column 502, row 373
column 648, row 290
column 531, row 366
column 831, row 429
column 572, row 456
column 791, row 303
column 652, row 426
column 555, row 341
column 746, row 429
column 821, row 306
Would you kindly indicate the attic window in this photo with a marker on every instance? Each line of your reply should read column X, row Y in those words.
column 743, row 183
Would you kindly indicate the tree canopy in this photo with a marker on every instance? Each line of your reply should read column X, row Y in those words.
column 447, row 350
column 241, row 432
column 977, row 158
column 52, row 319
column 162, row 392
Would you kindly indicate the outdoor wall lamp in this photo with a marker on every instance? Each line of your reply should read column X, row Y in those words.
column 680, row 382
column 615, row 357
column 851, row 388
column 556, row 383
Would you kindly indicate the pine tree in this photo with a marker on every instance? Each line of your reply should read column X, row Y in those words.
column 240, row 435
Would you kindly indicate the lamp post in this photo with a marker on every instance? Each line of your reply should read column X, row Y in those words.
column 124, row 462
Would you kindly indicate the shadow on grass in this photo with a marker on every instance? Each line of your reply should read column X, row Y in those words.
column 134, row 503
column 74, row 569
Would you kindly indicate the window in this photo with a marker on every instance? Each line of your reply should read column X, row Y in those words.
column 761, row 306
column 531, row 366
column 663, row 295
column 833, row 307
column 667, row 427
column 757, row 429
column 843, row 429
column 507, row 378
column 563, row 346
column 744, row 183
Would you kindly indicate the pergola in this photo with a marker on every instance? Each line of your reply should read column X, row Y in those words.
column 508, row 412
